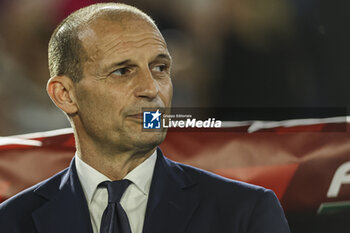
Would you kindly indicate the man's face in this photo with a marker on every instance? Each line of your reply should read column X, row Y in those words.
column 128, row 68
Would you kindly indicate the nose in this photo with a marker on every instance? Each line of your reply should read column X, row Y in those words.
column 147, row 86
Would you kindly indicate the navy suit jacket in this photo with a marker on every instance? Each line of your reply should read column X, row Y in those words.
column 182, row 199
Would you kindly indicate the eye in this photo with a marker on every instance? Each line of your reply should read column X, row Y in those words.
column 159, row 68
column 122, row 71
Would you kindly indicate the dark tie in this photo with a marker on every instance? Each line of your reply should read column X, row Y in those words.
column 114, row 218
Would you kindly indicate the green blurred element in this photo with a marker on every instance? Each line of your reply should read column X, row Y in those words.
column 333, row 207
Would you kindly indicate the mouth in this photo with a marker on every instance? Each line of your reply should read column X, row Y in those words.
column 136, row 116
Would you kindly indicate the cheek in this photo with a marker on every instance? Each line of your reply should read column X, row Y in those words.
column 93, row 104
column 103, row 106
column 89, row 109
column 166, row 90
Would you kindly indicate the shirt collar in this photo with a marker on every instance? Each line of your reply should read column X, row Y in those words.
column 142, row 175
column 90, row 178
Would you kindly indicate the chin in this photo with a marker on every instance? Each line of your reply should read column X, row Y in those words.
column 150, row 139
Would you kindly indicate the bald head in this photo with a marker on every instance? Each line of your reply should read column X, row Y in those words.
column 66, row 51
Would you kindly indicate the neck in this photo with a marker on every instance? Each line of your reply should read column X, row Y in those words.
column 115, row 166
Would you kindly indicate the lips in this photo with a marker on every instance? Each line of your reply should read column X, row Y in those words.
column 137, row 116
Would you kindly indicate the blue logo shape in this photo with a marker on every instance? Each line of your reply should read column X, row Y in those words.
column 151, row 120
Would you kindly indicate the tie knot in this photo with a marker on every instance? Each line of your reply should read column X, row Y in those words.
column 116, row 189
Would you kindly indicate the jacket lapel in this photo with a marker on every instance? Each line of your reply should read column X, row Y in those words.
column 66, row 210
column 173, row 198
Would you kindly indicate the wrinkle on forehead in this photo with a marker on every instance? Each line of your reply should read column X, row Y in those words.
column 124, row 49
column 124, row 43
column 118, row 37
column 106, row 39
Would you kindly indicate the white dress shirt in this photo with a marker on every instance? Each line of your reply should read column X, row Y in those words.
column 134, row 199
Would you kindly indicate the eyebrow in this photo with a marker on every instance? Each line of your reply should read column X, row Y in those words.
column 121, row 63
column 128, row 61
column 163, row 56
column 117, row 64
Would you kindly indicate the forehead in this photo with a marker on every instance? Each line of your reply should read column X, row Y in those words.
column 105, row 36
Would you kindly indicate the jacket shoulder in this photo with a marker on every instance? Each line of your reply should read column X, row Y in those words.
column 227, row 192
column 255, row 207
column 212, row 180
column 18, row 209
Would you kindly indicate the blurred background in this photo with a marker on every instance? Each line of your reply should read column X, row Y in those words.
column 227, row 53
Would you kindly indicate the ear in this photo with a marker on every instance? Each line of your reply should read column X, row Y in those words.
column 61, row 92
